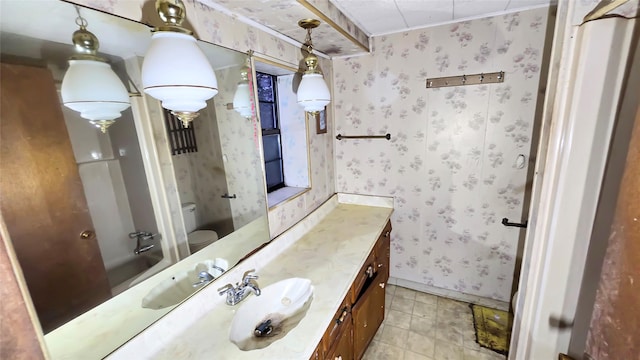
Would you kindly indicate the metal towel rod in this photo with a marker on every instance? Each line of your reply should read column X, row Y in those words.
column 340, row 137
column 506, row 222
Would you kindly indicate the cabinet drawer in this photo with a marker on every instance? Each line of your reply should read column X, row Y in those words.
column 342, row 348
column 342, row 316
column 368, row 314
column 367, row 272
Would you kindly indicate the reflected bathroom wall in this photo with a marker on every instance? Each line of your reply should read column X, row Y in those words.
column 240, row 144
column 201, row 176
column 115, row 186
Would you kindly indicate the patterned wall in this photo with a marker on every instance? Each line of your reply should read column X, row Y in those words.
column 241, row 150
column 451, row 162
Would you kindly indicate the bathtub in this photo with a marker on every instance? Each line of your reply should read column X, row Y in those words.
column 122, row 276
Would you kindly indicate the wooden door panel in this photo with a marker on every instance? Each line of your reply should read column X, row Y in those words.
column 43, row 202
column 368, row 314
column 615, row 322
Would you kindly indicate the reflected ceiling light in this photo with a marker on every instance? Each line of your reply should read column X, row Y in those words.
column 313, row 93
column 175, row 70
column 242, row 99
column 90, row 86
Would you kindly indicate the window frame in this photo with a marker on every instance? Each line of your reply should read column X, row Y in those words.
column 272, row 131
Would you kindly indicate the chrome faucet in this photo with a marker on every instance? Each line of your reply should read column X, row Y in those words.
column 242, row 289
column 142, row 236
column 203, row 278
column 218, row 268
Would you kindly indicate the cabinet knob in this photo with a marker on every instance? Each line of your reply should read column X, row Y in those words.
column 369, row 271
column 338, row 357
column 87, row 234
column 342, row 316
column 382, row 285
column 386, row 234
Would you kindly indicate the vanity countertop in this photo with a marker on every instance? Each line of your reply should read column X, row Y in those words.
column 330, row 254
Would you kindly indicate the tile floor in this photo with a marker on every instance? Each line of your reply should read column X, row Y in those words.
column 419, row 326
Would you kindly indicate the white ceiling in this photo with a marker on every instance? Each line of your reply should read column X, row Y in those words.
column 378, row 17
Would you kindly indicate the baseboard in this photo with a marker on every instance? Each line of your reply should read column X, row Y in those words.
column 455, row 295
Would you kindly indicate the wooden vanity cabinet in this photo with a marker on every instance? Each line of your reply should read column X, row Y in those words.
column 362, row 310
column 368, row 305
column 342, row 347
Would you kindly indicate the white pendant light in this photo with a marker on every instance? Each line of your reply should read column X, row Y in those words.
column 313, row 93
column 241, row 99
column 175, row 70
column 90, row 86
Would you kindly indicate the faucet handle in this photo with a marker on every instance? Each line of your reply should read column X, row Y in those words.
column 249, row 276
column 226, row 289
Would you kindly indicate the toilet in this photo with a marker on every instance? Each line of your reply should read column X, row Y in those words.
column 198, row 239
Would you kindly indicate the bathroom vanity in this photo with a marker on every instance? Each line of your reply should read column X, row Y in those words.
column 362, row 310
column 342, row 248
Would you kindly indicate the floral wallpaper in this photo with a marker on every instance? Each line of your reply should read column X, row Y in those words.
column 451, row 161
column 293, row 128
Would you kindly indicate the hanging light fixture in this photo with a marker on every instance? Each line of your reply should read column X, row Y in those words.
column 90, row 86
column 175, row 70
column 313, row 93
column 241, row 99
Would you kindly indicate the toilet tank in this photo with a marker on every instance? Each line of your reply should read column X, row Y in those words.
column 189, row 216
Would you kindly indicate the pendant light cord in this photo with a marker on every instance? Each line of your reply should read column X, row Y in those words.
column 307, row 41
column 80, row 21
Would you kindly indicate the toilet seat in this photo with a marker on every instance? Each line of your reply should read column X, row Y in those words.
column 200, row 239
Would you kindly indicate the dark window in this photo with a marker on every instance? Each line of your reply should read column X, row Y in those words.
column 181, row 139
column 271, row 140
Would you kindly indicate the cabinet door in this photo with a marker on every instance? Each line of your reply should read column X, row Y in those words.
column 383, row 252
column 368, row 314
column 342, row 347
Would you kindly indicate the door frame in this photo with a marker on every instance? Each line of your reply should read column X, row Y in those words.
column 583, row 92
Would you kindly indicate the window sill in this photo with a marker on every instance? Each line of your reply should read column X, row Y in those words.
column 283, row 194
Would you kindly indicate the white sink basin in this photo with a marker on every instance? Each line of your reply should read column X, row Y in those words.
column 284, row 304
column 180, row 286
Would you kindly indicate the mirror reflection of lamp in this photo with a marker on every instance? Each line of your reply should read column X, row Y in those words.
column 241, row 99
column 313, row 93
column 175, row 70
column 90, row 86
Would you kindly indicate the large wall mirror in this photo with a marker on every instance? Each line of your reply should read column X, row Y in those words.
column 112, row 230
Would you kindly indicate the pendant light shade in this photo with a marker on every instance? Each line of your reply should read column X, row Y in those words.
column 175, row 70
column 313, row 92
column 241, row 99
column 90, row 86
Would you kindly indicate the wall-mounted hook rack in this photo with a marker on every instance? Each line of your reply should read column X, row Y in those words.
column 475, row 79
